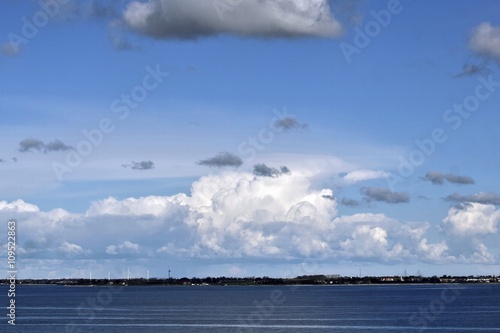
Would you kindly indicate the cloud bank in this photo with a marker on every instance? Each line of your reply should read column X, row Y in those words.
column 189, row 19
column 236, row 216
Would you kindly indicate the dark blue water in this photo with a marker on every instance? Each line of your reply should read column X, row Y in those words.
column 311, row 309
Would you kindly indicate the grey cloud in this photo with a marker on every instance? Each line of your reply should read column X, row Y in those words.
column 329, row 197
column 463, row 180
column 384, row 195
column 471, row 70
column 221, row 160
column 31, row 145
column 190, row 19
column 349, row 202
column 285, row 170
column 438, row 178
column 486, row 198
column 57, row 145
column 6, row 161
column 288, row 123
column 143, row 165
column 266, row 171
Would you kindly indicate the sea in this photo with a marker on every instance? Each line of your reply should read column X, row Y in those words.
column 290, row 309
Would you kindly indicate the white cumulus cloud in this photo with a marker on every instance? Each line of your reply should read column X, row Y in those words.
column 472, row 219
column 187, row 19
column 485, row 40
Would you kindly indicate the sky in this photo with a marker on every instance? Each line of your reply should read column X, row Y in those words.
column 250, row 138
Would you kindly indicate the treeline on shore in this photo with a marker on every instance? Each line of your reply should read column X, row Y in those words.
column 299, row 280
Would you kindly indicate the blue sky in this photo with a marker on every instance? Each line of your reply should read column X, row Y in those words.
column 187, row 100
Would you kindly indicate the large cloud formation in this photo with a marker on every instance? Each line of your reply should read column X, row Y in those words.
column 231, row 216
column 188, row 19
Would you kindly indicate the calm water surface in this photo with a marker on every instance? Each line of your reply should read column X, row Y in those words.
column 306, row 309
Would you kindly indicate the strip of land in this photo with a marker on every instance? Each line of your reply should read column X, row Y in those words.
column 247, row 281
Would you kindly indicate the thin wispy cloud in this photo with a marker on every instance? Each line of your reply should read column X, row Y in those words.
column 97, row 9
column 347, row 10
column 222, row 159
column 288, row 123
column 119, row 38
column 486, row 198
column 364, row 175
column 438, row 178
column 3, row 160
column 384, row 195
column 189, row 19
column 143, row 165
column 349, row 202
column 472, row 70
column 9, row 50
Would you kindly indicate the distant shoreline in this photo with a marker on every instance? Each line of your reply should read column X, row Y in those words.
column 257, row 281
